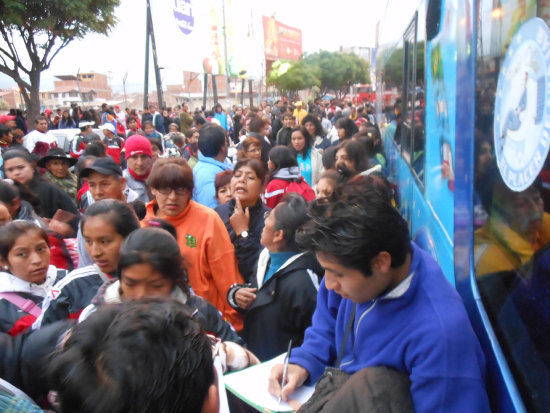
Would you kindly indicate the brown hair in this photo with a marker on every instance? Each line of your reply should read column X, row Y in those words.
column 251, row 141
column 13, row 230
column 222, row 179
column 171, row 173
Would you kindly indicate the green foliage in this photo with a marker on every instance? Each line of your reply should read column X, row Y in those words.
column 34, row 31
column 392, row 67
column 328, row 71
column 293, row 76
column 339, row 71
column 65, row 19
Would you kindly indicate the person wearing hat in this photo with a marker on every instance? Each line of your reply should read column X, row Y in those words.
column 299, row 113
column 139, row 159
column 113, row 143
column 57, row 164
column 85, row 136
column 105, row 181
column 8, row 121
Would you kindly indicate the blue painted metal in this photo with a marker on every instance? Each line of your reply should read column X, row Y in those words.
column 440, row 214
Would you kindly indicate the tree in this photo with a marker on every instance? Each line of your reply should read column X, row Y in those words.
column 338, row 71
column 34, row 32
column 393, row 66
column 290, row 77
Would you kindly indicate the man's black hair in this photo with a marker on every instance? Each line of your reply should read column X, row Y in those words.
column 147, row 355
column 211, row 140
column 355, row 227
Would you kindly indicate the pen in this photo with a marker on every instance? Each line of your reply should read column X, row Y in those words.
column 286, row 366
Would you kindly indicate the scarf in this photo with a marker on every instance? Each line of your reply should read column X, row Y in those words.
column 141, row 178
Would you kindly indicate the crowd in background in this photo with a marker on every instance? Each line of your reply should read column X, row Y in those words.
column 200, row 207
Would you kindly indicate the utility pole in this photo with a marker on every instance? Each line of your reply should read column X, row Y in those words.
column 155, row 61
column 227, row 89
column 146, row 81
column 124, row 87
column 150, row 34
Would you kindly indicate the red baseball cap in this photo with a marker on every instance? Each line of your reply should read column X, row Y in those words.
column 6, row 118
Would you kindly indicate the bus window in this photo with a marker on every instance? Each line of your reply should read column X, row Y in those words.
column 511, row 212
column 412, row 139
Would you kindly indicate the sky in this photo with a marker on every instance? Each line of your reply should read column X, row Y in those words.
column 324, row 26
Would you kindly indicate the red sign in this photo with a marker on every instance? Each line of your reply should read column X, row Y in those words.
column 281, row 41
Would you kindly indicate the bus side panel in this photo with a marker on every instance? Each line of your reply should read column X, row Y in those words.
column 440, row 121
column 425, row 228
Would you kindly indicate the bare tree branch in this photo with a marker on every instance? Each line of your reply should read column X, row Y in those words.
column 50, row 44
column 12, row 54
column 65, row 43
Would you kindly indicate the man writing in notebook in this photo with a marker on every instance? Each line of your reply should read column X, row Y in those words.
column 405, row 314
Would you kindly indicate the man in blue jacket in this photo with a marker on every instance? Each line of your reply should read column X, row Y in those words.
column 408, row 317
column 213, row 151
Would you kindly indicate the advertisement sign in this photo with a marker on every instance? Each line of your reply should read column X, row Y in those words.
column 281, row 41
column 193, row 39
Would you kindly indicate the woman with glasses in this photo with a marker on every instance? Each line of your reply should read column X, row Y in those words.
column 243, row 215
column 251, row 149
column 204, row 242
column 279, row 302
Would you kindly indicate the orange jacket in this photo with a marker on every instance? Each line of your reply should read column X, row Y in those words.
column 208, row 254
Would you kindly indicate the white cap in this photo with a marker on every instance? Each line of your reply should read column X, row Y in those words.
column 108, row 126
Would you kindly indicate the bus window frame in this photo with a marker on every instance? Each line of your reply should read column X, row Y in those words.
column 408, row 98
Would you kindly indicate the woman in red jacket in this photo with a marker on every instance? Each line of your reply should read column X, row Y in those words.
column 284, row 177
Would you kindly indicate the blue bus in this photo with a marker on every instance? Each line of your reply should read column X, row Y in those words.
column 467, row 146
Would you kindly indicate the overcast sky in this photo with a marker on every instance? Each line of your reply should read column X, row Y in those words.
column 324, row 25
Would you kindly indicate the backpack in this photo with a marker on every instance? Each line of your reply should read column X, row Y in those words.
column 302, row 188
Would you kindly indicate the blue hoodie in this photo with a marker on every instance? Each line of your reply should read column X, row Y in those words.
column 420, row 328
column 204, row 174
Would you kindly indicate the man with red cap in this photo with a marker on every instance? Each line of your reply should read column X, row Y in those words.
column 139, row 158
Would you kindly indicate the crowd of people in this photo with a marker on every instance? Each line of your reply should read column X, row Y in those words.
column 251, row 224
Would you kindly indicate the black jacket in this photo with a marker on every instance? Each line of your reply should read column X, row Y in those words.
column 283, row 307
column 51, row 199
column 24, row 359
column 247, row 249
column 71, row 295
column 207, row 315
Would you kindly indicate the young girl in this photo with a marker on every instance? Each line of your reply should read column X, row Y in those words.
column 309, row 159
column 151, row 265
column 284, row 176
column 280, row 300
column 26, row 275
column 105, row 224
column 222, row 183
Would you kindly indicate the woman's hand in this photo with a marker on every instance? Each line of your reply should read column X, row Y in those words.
column 244, row 297
column 240, row 219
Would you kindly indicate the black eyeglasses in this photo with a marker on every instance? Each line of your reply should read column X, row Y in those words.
column 168, row 191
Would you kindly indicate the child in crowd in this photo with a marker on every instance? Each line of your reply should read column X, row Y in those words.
column 26, row 276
